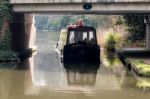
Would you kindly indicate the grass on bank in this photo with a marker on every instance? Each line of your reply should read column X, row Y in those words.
column 143, row 67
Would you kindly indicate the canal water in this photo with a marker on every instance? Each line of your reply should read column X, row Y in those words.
column 43, row 76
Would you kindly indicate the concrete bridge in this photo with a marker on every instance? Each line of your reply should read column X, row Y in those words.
column 23, row 8
column 76, row 6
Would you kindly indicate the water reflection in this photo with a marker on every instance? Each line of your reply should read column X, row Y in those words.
column 128, row 81
column 12, row 79
column 110, row 57
column 7, row 65
column 99, row 80
column 42, row 77
column 81, row 74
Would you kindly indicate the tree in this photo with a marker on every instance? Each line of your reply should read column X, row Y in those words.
column 41, row 22
column 64, row 21
column 136, row 27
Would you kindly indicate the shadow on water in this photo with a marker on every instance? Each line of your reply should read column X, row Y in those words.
column 25, row 65
column 81, row 74
column 8, row 65
column 23, row 57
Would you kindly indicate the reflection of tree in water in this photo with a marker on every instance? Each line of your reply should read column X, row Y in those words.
column 5, row 67
column 128, row 80
column 110, row 56
column 81, row 74
column 135, row 82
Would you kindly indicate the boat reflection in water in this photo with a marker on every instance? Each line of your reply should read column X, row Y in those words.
column 81, row 74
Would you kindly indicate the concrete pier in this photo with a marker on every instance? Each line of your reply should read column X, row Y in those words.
column 21, row 28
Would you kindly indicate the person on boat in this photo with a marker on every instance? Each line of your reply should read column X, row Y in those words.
column 79, row 22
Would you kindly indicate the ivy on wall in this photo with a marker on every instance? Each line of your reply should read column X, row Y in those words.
column 5, row 8
column 5, row 40
column 5, row 14
column 5, row 35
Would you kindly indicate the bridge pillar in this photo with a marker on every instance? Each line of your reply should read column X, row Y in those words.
column 21, row 28
column 148, row 32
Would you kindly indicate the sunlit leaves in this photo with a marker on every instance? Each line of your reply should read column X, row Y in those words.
column 143, row 67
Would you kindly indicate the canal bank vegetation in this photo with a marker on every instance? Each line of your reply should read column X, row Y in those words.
column 112, row 41
column 142, row 67
column 6, row 54
column 130, row 28
column 136, row 29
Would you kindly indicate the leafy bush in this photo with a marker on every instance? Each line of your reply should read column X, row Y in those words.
column 136, row 29
column 5, row 9
column 5, row 14
column 112, row 41
column 5, row 40
column 7, row 55
column 143, row 67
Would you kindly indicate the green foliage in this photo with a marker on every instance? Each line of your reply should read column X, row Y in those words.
column 129, row 43
column 5, row 41
column 143, row 67
column 5, row 9
column 1, row 22
column 41, row 22
column 112, row 41
column 64, row 21
column 136, row 27
column 119, row 21
column 5, row 13
column 6, row 55
column 5, row 52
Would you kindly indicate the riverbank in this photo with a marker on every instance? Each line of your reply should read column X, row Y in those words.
column 136, row 60
column 141, row 66
column 10, row 56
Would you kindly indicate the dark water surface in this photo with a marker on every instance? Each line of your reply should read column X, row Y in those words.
column 44, row 77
